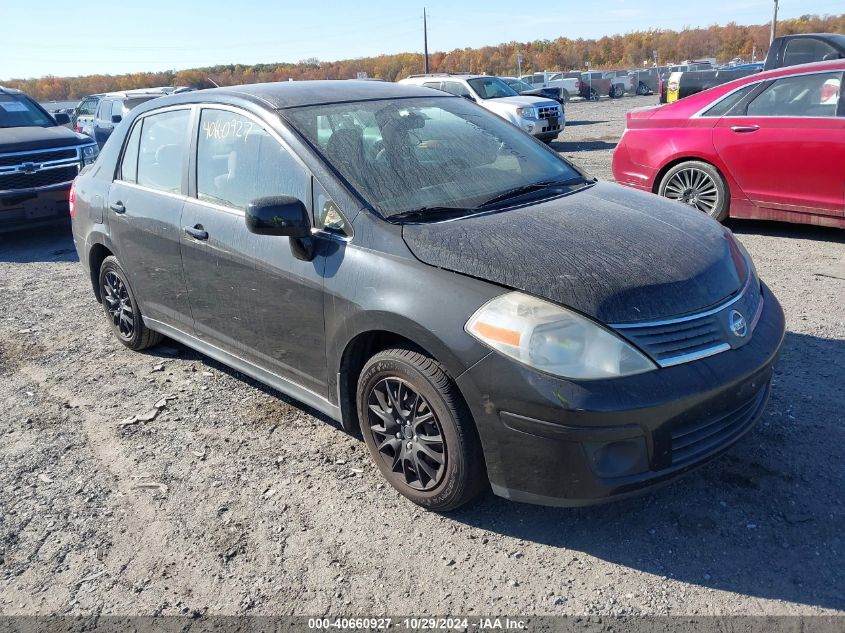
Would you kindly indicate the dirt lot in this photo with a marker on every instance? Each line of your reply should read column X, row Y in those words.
column 234, row 499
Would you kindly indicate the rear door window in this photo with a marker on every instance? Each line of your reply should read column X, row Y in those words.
column 723, row 107
column 455, row 88
column 239, row 161
column 162, row 150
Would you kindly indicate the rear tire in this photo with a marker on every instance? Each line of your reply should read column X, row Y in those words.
column 121, row 307
column 699, row 185
column 642, row 89
column 593, row 95
column 418, row 430
column 617, row 92
column 564, row 95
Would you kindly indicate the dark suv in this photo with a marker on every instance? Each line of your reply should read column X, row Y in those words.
column 411, row 264
column 39, row 158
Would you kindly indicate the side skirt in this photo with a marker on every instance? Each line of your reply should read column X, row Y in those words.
column 284, row 385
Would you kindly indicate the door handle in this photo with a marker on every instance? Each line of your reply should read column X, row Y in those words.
column 745, row 129
column 117, row 207
column 197, row 232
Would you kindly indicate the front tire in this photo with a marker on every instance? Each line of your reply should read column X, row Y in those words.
column 564, row 95
column 121, row 308
column 617, row 92
column 418, row 430
column 699, row 185
column 642, row 89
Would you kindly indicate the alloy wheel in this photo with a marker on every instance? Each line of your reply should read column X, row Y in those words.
column 119, row 305
column 695, row 188
column 407, row 434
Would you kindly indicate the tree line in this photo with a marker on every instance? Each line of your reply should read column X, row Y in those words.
column 629, row 50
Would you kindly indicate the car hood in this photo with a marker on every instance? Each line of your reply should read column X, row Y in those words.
column 613, row 253
column 21, row 139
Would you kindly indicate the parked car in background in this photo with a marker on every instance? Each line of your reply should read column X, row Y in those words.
column 529, row 91
column 113, row 106
column 39, row 158
column 540, row 117
column 595, row 85
column 646, row 81
column 409, row 264
column 770, row 146
column 789, row 50
column 569, row 85
column 621, row 83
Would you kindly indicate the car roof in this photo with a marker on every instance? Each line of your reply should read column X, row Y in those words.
column 452, row 76
column 129, row 94
column 831, row 64
column 10, row 91
column 291, row 94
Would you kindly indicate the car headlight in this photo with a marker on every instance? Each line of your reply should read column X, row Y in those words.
column 553, row 339
column 89, row 154
column 527, row 113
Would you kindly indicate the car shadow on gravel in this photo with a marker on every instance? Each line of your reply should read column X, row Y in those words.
column 169, row 349
column 786, row 229
column 45, row 244
column 581, row 146
column 762, row 520
column 580, row 123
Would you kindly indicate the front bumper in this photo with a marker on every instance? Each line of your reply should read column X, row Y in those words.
column 29, row 208
column 544, row 129
column 557, row 442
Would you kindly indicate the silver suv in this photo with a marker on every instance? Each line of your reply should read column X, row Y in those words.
column 544, row 118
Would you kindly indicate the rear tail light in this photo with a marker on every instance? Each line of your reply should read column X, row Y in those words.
column 71, row 198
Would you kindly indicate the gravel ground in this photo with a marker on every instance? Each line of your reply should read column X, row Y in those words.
column 226, row 497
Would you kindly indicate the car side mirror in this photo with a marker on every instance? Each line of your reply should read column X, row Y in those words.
column 278, row 215
column 62, row 118
column 116, row 118
column 282, row 215
column 469, row 97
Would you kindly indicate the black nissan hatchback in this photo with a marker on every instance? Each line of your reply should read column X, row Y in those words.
column 429, row 275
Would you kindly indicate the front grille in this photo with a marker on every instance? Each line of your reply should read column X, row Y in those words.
column 696, row 439
column 666, row 343
column 547, row 112
column 676, row 341
column 10, row 160
column 42, row 178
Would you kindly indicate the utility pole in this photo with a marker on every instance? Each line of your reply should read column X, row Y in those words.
column 774, row 23
column 425, row 42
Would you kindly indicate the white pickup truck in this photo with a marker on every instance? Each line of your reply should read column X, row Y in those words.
column 540, row 117
column 570, row 86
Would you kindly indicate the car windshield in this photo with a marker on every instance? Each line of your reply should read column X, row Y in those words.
column 491, row 88
column 19, row 111
column 518, row 85
column 425, row 155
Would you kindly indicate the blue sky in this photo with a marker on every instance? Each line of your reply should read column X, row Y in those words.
column 84, row 37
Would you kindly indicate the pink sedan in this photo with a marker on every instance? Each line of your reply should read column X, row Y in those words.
column 770, row 146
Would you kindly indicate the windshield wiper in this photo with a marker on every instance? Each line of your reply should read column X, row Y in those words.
column 430, row 214
column 523, row 189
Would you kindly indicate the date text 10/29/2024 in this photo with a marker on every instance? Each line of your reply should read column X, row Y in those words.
column 478, row 624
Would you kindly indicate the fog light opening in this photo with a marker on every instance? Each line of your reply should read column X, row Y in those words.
column 618, row 458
